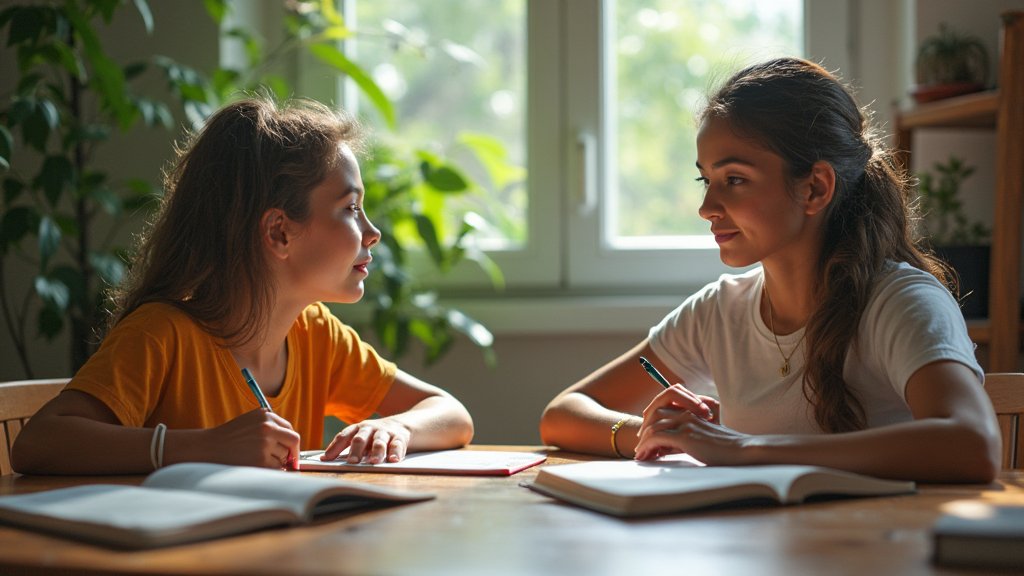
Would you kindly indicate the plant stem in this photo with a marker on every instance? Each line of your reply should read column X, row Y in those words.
column 17, row 336
column 80, row 323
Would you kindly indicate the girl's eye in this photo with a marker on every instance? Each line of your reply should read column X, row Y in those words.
column 355, row 208
column 703, row 181
column 734, row 180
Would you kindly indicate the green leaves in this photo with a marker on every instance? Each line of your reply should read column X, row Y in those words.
column 332, row 56
column 70, row 96
column 942, row 208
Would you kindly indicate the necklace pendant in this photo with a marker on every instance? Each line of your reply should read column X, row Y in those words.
column 784, row 370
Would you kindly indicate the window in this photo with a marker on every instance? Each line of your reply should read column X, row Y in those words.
column 596, row 99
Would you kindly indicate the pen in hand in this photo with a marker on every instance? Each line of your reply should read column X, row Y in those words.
column 650, row 369
column 292, row 464
column 654, row 372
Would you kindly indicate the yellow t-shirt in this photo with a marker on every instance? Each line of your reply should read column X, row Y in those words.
column 158, row 365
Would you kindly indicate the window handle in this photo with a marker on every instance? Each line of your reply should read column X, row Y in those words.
column 586, row 160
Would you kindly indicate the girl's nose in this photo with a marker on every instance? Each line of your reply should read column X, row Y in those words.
column 371, row 234
column 710, row 207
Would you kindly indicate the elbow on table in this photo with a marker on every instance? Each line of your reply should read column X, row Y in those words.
column 981, row 458
column 559, row 427
column 26, row 458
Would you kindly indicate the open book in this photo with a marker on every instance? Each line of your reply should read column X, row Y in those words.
column 461, row 462
column 190, row 502
column 678, row 483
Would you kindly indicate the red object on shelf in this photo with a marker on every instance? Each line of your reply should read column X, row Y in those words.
column 932, row 92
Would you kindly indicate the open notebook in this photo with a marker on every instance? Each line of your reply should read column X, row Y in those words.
column 678, row 483
column 459, row 462
column 190, row 502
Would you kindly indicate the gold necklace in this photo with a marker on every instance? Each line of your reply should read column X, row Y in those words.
column 784, row 369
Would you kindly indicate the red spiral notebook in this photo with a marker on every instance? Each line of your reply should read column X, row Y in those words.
column 456, row 462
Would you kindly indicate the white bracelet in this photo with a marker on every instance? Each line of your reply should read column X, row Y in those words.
column 156, row 446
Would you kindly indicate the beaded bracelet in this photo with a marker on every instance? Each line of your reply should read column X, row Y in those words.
column 156, row 446
column 615, row 431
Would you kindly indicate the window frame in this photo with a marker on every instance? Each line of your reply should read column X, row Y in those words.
column 571, row 169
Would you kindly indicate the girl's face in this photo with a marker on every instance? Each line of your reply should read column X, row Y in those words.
column 329, row 254
column 754, row 215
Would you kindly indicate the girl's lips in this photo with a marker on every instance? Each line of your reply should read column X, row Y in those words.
column 721, row 238
column 361, row 268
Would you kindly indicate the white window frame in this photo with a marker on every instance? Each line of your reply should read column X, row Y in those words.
column 565, row 278
column 571, row 165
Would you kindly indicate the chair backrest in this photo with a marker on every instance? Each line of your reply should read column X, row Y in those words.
column 19, row 400
column 1006, row 390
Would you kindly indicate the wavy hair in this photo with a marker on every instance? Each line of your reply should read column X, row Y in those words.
column 801, row 112
column 201, row 253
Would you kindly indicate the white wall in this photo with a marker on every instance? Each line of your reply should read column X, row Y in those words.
column 506, row 402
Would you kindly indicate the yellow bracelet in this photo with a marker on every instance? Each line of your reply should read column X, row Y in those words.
column 615, row 430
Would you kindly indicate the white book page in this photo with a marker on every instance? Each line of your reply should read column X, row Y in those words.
column 464, row 461
column 85, row 510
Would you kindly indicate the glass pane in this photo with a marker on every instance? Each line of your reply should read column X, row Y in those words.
column 455, row 71
column 669, row 54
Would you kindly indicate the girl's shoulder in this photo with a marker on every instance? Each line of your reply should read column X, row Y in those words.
column 901, row 284
column 732, row 286
column 897, row 275
column 156, row 316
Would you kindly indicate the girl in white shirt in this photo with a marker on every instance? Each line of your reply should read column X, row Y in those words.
column 843, row 349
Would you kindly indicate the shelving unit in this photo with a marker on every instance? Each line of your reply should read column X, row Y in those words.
column 1002, row 110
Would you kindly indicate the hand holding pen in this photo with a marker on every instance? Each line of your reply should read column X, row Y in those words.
column 292, row 461
column 699, row 405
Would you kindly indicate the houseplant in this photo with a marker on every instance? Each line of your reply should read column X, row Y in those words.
column 949, row 63
column 59, row 209
column 958, row 240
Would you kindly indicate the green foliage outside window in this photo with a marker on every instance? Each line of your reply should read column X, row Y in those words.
column 60, row 212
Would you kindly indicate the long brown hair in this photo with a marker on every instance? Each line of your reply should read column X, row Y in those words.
column 801, row 112
column 202, row 251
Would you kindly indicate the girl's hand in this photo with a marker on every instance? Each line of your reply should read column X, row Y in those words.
column 678, row 397
column 256, row 438
column 371, row 441
column 674, row 422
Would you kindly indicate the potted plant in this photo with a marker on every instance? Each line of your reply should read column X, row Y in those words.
column 961, row 242
column 59, row 209
column 949, row 64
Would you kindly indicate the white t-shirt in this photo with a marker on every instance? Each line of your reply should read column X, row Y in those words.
column 717, row 342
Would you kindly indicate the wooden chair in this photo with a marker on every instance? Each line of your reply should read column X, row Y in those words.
column 1006, row 390
column 19, row 400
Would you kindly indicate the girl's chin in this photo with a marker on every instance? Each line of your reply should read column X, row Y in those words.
column 734, row 261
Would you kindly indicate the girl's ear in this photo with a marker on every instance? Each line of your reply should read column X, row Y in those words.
column 821, row 188
column 274, row 232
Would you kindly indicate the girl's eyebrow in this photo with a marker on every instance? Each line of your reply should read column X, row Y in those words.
column 729, row 160
column 351, row 190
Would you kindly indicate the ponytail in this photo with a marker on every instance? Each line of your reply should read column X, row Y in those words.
column 870, row 222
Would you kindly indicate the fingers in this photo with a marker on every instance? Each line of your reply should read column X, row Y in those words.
column 281, row 443
column 679, row 398
column 715, row 408
column 369, row 442
column 667, row 431
column 339, row 443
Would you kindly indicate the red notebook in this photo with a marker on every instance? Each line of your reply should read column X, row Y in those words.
column 457, row 462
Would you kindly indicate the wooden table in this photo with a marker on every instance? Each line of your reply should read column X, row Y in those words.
column 488, row 526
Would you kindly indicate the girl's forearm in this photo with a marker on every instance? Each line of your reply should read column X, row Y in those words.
column 436, row 423
column 927, row 450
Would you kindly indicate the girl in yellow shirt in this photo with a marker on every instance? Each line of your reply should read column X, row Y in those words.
column 261, row 221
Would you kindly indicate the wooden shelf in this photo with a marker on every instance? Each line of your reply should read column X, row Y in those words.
column 1002, row 111
column 977, row 110
column 980, row 330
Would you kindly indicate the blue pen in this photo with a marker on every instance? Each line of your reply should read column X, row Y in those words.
column 256, row 390
column 292, row 463
column 661, row 379
column 654, row 372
